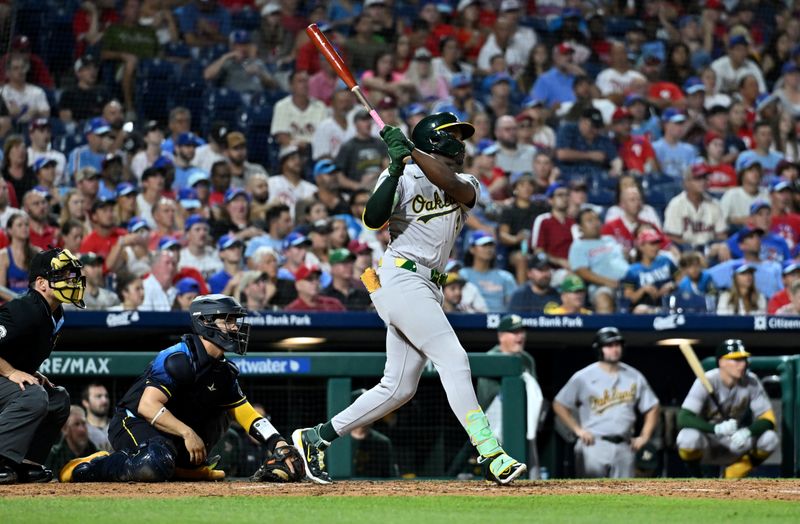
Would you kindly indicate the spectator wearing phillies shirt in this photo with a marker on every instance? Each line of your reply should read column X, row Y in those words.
column 651, row 278
column 785, row 221
column 791, row 308
column 694, row 219
column 552, row 232
column 762, row 150
column 625, row 227
column 636, row 152
column 735, row 65
column 616, row 81
column 674, row 155
column 42, row 234
column 790, row 275
column 773, row 246
column 309, row 297
column 721, row 175
column 736, row 202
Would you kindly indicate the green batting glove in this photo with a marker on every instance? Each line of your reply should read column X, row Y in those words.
column 399, row 147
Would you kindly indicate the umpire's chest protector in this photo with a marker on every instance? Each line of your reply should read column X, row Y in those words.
column 28, row 331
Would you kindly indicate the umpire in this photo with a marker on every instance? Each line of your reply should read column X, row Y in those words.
column 32, row 409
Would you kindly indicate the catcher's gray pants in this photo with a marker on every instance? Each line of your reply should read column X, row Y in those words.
column 719, row 450
column 417, row 331
column 30, row 420
column 604, row 459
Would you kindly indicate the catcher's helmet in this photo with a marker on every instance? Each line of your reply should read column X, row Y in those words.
column 731, row 349
column 205, row 310
column 430, row 135
column 604, row 337
column 62, row 270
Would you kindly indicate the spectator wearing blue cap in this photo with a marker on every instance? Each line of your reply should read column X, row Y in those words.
column 230, row 251
column 585, row 149
column 295, row 248
column 125, row 194
column 674, row 155
column 643, row 120
column 462, row 101
column 278, row 224
column 496, row 285
column 186, row 290
column 132, row 254
column 44, row 169
column 197, row 252
column 735, row 65
column 233, row 216
column 331, row 133
column 737, row 201
column 742, row 296
column 789, row 92
column 185, row 148
column 179, row 121
column 240, row 69
column 326, row 177
column 555, row 86
column 110, row 175
column 616, row 81
column 762, row 151
column 767, row 272
column 790, row 275
column 98, row 141
column 773, row 246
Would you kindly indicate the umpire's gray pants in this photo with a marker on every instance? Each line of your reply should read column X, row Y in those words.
column 30, row 420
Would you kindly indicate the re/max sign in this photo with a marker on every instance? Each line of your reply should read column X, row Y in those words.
column 75, row 366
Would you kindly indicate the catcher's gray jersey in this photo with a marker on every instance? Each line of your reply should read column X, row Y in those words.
column 425, row 221
column 748, row 392
column 606, row 402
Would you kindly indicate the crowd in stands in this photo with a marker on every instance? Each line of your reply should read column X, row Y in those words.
column 634, row 157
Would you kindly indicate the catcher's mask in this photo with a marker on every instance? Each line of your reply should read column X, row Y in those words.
column 221, row 319
column 62, row 270
column 432, row 135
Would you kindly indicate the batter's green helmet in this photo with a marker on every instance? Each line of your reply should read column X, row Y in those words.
column 732, row 349
column 430, row 134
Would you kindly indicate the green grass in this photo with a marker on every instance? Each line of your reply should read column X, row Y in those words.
column 416, row 510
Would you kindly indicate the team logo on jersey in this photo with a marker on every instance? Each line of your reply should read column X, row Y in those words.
column 612, row 398
column 3, row 331
column 420, row 204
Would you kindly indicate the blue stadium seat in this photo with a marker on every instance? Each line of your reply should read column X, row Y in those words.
column 602, row 197
column 60, row 42
column 213, row 52
column 618, row 26
column 190, row 93
column 177, row 50
column 155, row 81
column 247, row 19
column 256, row 122
column 67, row 143
column 688, row 303
column 221, row 104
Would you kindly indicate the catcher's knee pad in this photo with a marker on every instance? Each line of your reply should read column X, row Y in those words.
column 767, row 443
column 691, row 439
column 153, row 461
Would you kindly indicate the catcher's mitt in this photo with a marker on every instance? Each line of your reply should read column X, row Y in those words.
column 276, row 467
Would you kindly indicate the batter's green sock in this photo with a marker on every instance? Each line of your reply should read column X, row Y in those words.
column 326, row 432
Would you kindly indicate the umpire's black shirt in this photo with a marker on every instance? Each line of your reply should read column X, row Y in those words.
column 28, row 331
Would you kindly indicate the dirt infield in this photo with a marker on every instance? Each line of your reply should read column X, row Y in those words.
column 752, row 489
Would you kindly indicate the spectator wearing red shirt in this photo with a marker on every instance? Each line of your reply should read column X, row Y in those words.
column 636, row 152
column 791, row 274
column 721, row 175
column 785, row 222
column 104, row 235
column 552, row 232
column 486, row 170
column 90, row 22
column 164, row 212
column 625, row 228
column 309, row 297
column 42, row 234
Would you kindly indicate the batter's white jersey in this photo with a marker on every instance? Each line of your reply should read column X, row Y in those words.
column 425, row 221
column 746, row 393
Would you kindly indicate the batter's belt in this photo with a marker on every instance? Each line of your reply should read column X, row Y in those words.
column 434, row 275
column 615, row 439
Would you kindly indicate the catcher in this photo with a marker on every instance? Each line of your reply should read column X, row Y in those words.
column 182, row 405
column 723, row 438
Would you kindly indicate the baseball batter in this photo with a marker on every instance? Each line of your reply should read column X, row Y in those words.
column 606, row 395
column 722, row 438
column 425, row 205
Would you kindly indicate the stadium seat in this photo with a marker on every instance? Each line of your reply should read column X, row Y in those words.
column 60, row 42
column 221, row 104
column 246, row 18
column 213, row 52
column 190, row 93
column 602, row 197
column 155, row 81
column 177, row 50
column 688, row 303
column 67, row 143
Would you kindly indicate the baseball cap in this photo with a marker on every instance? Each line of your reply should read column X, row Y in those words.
column 633, row 98
column 136, row 224
column 235, row 139
column 103, row 202
column 509, row 5
column 322, row 226
column 510, row 323
column 125, row 188
column 41, row 264
column 235, row 192
column 700, row 171
column 362, row 114
column 387, row 102
column 85, row 61
column 286, row 152
column 295, row 239
column 39, row 123
column 491, row 80
column 790, row 266
column 620, row 113
column 240, row 36
column 248, row 277
column 538, row 261
column 565, row 48
column 648, row 236
column 111, row 157
column 571, row 12
column 737, row 40
column 461, row 80
column 454, row 278
column 480, row 238
column 86, row 173
column 167, row 243
column 196, row 177
column 187, row 285
column 97, row 126
column 192, row 220
column 187, row 198
column 415, row 109
column 786, row 164
column 369, row 3
column 21, row 43
column 487, row 147
column 272, row 8
column 164, row 161
column 453, row 265
column 594, row 115
column 90, row 259
column 749, row 231
column 747, row 163
column 324, row 167
column 758, row 205
column 710, row 136
column 358, row 247
column 187, row 139
column 743, row 267
column 552, row 188
column 337, row 256
column 693, row 85
column 789, row 67
column 572, row 284
column 303, row 272
column 227, row 241
column 780, row 185
column 43, row 162
column 765, row 99
column 673, row 115
column 716, row 109
column 422, row 54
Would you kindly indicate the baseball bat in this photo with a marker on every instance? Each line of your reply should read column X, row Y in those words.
column 325, row 47
column 697, row 368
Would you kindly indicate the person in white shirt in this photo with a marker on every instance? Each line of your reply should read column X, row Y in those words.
column 616, row 81
column 159, row 293
column 736, row 201
column 289, row 187
column 41, row 135
column 297, row 115
column 197, row 253
column 25, row 102
column 501, row 42
column 153, row 138
column 735, row 65
column 335, row 130
column 207, row 155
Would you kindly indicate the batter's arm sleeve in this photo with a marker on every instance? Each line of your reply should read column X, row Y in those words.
column 380, row 204
column 689, row 419
column 256, row 426
column 763, row 423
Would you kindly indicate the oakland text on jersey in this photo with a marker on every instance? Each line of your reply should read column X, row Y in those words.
column 419, row 204
column 612, row 398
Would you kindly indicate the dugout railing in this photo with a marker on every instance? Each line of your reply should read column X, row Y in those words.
column 337, row 369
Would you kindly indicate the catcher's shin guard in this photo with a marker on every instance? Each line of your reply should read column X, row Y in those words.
column 312, row 448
